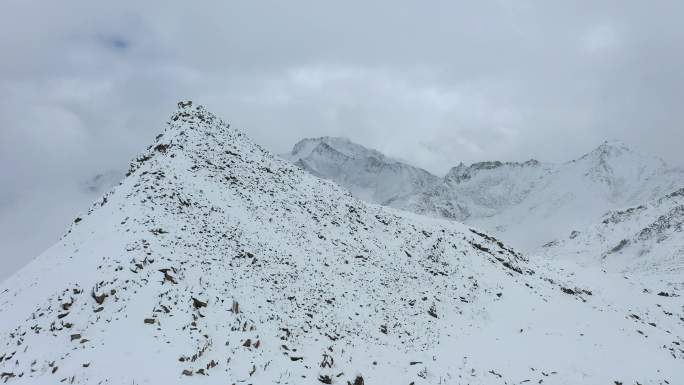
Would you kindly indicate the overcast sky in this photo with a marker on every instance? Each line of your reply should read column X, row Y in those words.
column 87, row 84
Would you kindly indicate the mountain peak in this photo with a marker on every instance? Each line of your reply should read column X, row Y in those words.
column 613, row 145
column 609, row 149
column 194, row 131
column 609, row 156
column 305, row 147
column 616, row 154
column 195, row 117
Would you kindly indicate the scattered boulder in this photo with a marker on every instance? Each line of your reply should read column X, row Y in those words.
column 567, row 290
column 196, row 303
column 99, row 298
column 433, row 311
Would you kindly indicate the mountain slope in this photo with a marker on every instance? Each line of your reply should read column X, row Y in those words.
column 217, row 262
column 646, row 238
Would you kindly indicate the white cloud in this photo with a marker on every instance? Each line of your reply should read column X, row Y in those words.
column 599, row 39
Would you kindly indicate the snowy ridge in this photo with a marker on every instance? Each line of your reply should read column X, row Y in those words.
column 480, row 190
column 217, row 262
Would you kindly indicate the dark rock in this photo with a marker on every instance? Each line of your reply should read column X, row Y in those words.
column 196, row 303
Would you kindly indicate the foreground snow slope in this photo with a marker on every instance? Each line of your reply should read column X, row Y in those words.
column 216, row 262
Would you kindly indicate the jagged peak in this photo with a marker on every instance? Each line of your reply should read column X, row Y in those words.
column 195, row 131
column 300, row 148
column 613, row 161
column 614, row 143
column 195, row 117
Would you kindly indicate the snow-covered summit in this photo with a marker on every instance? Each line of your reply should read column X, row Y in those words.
column 575, row 194
column 625, row 173
column 216, row 262
column 367, row 173
column 614, row 150
column 305, row 147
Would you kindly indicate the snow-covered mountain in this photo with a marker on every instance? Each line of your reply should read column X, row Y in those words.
column 575, row 194
column 481, row 190
column 645, row 238
column 216, row 262
column 528, row 203
column 368, row 174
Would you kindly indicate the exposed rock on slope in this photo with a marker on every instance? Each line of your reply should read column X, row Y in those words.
column 216, row 262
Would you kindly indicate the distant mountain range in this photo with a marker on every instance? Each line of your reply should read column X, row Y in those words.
column 528, row 204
